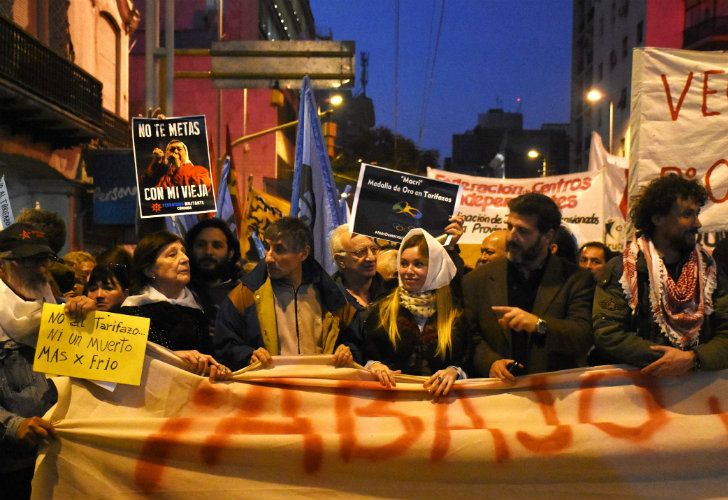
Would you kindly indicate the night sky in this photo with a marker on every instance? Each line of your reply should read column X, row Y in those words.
column 490, row 53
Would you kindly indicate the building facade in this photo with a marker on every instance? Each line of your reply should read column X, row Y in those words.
column 199, row 23
column 604, row 35
column 63, row 83
column 499, row 146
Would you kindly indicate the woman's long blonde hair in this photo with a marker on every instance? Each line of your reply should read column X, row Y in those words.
column 447, row 312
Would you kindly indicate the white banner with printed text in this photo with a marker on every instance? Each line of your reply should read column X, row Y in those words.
column 586, row 204
column 679, row 119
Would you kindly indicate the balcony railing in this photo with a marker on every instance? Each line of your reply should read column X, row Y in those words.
column 117, row 133
column 33, row 67
column 706, row 30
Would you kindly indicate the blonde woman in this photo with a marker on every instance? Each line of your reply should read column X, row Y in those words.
column 418, row 329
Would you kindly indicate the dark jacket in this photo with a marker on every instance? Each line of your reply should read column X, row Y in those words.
column 173, row 326
column 246, row 319
column 622, row 336
column 415, row 351
column 563, row 301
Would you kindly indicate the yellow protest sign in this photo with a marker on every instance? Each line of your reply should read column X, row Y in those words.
column 104, row 346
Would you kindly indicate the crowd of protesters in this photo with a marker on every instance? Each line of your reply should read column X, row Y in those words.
column 535, row 302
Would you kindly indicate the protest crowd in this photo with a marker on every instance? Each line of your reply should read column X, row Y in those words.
column 534, row 302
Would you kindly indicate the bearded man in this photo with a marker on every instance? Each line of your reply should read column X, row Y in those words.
column 214, row 262
column 532, row 308
column 172, row 167
column 659, row 307
column 25, row 395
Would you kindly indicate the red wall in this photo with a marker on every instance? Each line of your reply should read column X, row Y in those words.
column 199, row 96
column 665, row 23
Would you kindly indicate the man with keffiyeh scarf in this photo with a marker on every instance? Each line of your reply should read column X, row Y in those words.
column 657, row 306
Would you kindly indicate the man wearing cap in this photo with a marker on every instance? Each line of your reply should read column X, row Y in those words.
column 24, row 394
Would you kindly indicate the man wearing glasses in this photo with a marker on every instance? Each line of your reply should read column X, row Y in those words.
column 356, row 258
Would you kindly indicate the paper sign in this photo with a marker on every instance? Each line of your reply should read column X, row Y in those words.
column 104, row 346
column 6, row 211
column 388, row 203
column 172, row 166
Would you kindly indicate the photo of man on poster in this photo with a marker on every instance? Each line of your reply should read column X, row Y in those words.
column 172, row 167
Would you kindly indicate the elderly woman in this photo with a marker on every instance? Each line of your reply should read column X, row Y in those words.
column 418, row 328
column 160, row 274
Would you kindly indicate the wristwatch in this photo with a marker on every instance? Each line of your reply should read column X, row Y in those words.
column 697, row 365
column 541, row 327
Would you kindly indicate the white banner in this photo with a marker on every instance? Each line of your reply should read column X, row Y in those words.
column 6, row 211
column 484, row 201
column 307, row 429
column 679, row 119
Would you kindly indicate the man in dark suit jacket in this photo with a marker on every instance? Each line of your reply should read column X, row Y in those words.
column 533, row 309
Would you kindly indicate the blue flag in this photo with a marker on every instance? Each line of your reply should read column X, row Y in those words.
column 315, row 198
column 180, row 224
column 225, row 210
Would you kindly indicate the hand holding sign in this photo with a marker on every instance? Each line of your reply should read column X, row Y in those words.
column 97, row 346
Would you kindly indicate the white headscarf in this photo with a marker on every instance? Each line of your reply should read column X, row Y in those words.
column 151, row 295
column 441, row 269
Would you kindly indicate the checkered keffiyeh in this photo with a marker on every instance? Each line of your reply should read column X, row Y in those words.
column 679, row 307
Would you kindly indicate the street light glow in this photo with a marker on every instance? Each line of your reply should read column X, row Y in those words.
column 533, row 154
column 594, row 95
column 336, row 100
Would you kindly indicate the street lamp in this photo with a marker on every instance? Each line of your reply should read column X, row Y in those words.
column 593, row 96
column 535, row 153
column 336, row 100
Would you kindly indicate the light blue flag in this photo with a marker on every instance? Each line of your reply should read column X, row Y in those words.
column 180, row 224
column 315, row 198
column 225, row 210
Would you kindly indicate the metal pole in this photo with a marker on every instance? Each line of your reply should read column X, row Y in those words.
column 169, row 46
column 151, row 42
column 267, row 131
column 220, row 152
column 611, row 127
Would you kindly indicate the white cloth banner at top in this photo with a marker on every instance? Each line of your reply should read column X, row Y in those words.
column 484, row 202
column 6, row 211
column 679, row 119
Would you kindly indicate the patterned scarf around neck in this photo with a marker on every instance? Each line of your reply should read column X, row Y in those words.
column 420, row 304
column 679, row 308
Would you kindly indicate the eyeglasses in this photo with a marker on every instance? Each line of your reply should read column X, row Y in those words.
column 364, row 252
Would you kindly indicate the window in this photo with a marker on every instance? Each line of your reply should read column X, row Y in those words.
column 640, row 33
column 601, row 26
column 612, row 59
column 600, row 72
column 624, row 8
column 625, row 47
